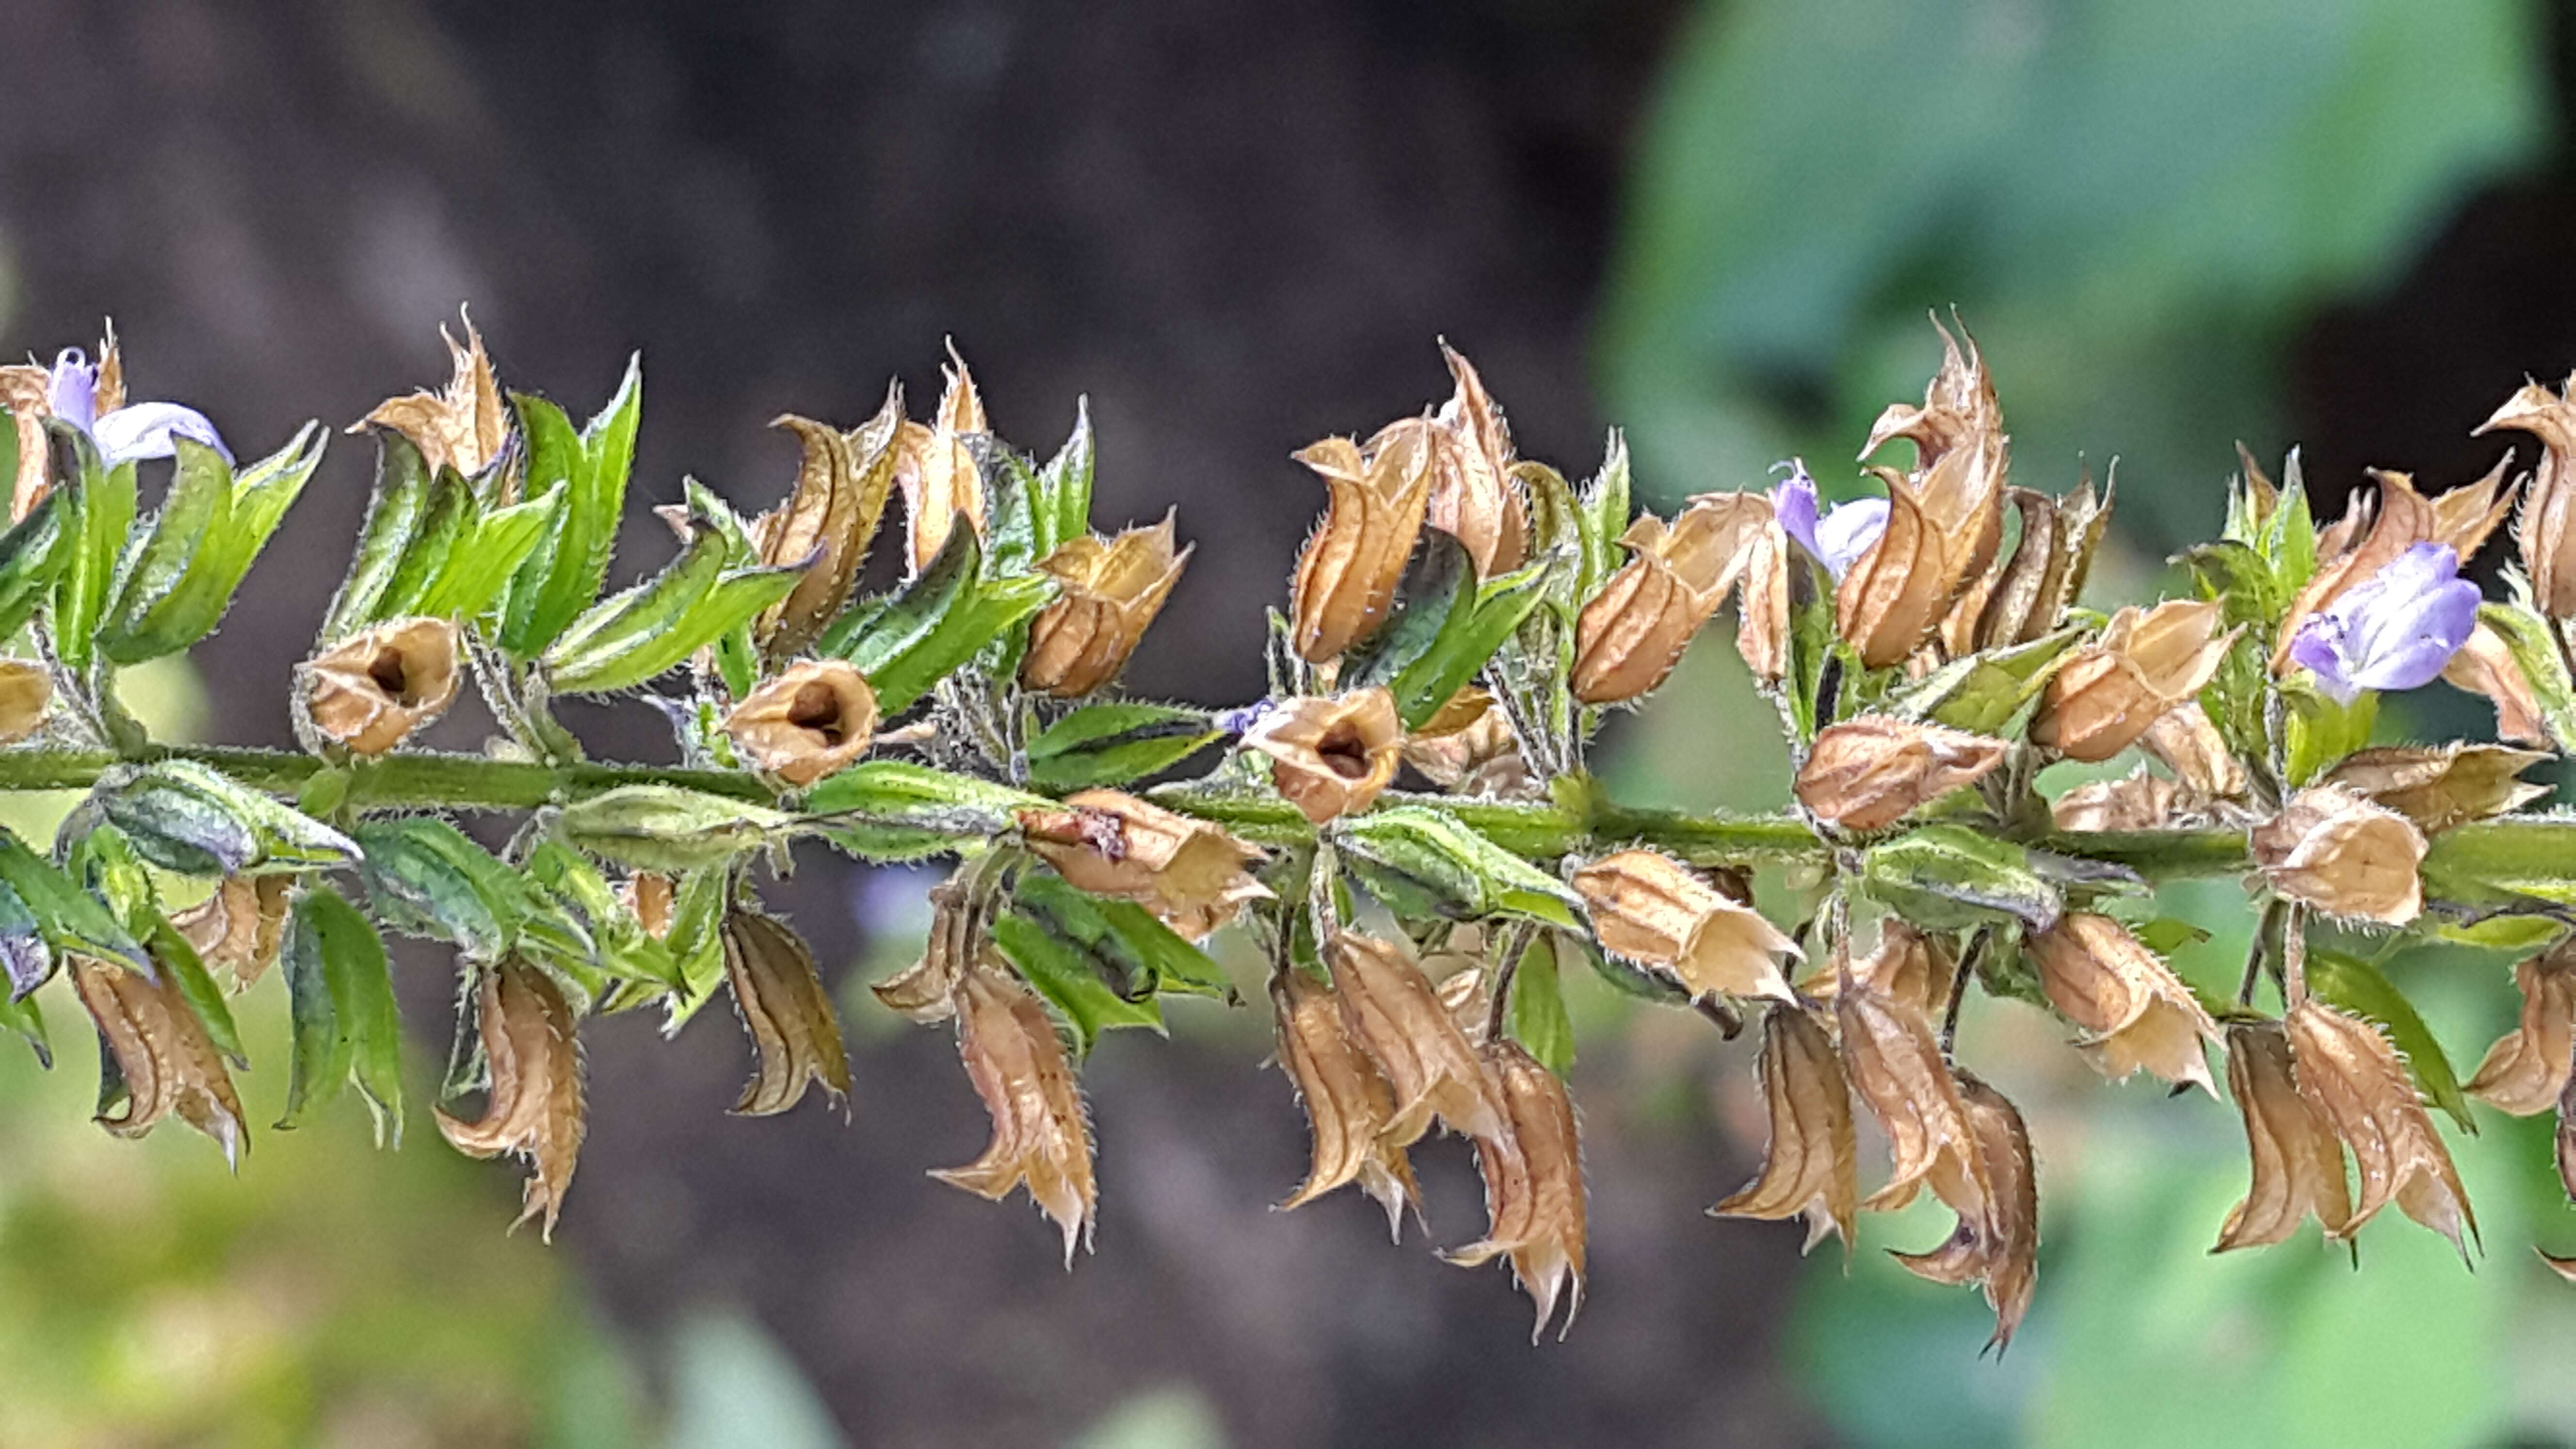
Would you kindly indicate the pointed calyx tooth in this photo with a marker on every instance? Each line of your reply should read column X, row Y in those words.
column 2025, row 596
column 926, row 991
column 1041, row 1137
column 1349, row 1105
column 534, row 1108
column 1909, row 969
column 2332, row 849
column 1998, row 1249
column 1474, row 497
column 2133, row 1010
column 827, row 522
column 466, row 425
column 1331, row 755
column 1347, row 573
column 2485, row 666
column 1392, row 1011
column 807, row 721
column 786, row 1012
column 936, row 470
column 1192, row 875
column 1534, row 1197
column 2184, row 740
column 1811, row 1167
column 1108, row 591
column 238, row 928
column 1870, row 772
column 2297, row 1159
column 1944, row 517
column 2439, row 787
column 371, row 690
column 1653, row 910
column 2346, row 1068
column 1894, row 1064
column 2138, row 801
column 1631, row 634
column 2146, row 664
column 2528, row 1068
column 2545, row 537
column 169, row 1064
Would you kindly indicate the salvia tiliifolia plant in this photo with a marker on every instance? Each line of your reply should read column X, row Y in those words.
column 1461, row 619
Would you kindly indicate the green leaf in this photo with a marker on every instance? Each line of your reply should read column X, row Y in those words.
column 1067, row 977
column 1419, row 859
column 2287, row 538
column 189, row 818
column 395, row 511
column 70, row 919
column 1984, row 693
column 428, row 878
column 1116, row 744
column 98, row 518
column 2318, row 732
column 210, row 530
column 1469, row 636
column 936, row 623
column 2358, row 987
column 33, row 553
column 560, row 580
column 1952, row 877
column 1604, row 512
column 24, row 1018
column 179, row 962
column 346, row 1025
column 1141, row 953
column 1539, row 1022
column 472, row 574
column 1064, row 486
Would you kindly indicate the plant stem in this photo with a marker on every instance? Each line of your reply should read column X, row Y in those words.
column 421, row 781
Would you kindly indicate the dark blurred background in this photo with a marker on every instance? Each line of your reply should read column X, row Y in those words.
column 2343, row 224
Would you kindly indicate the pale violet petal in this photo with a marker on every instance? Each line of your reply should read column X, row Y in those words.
column 145, row 430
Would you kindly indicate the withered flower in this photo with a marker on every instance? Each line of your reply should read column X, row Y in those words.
column 2347, row 1070
column 1894, row 1065
column 807, row 721
column 2338, row 852
column 2139, row 801
column 169, row 1064
column 936, row 469
column 1330, row 756
column 1631, row 634
column 2298, row 1162
column 2187, row 743
column 1651, row 909
column 1999, row 1249
column 2146, row 664
column 1041, row 1139
column 26, row 695
column 1108, row 591
column 1469, row 747
column 1390, row 1009
column 1870, row 772
column 464, row 427
column 2528, row 1068
column 1348, row 1104
column 785, row 1011
column 1474, row 498
column 1188, row 872
column 827, row 521
column 2133, row 1010
column 238, row 928
column 2546, row 534
column 371, row 690
column 1347, row 573
column 535, row 1106
column 1534, row 1200
column 2439, row 788
column 1810, row 1168
column 2485, row 665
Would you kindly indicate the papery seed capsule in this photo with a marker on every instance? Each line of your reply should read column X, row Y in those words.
column 1469, row 747
column 1649, row 908
column 463, row 427
column 535, row 1108
column 1109, row 590
column 238, row 928
column 2336, row 851
column 370, row 691
column 1534, row 1197
column 1631, row 634
column 2133, row 1010
column 785, row 1011
column 1870, row 772
column 161, row 1048
column 1896, row 1069
column 2528, row 1068
column 1347, row 573
column 809, row 720
column 2347, row 1070
column 1348, row 1104
column 2485, row 665
column 2297, row 1160
column 1041, row 1138
column 1474, row 498
column 1997, row 1249
column 826, row 522
column 1331, row 756
column 1810, row 1167
column 26, row 697
column 2146, row 664
column 2546, row 534
column 2439, row 788
column 1390, row 1009
column 936, row 469
column 1188, row 872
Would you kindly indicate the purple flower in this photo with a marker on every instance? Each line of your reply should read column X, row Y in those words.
column 2393, row 630
column 1835, row 539
column 144, row 430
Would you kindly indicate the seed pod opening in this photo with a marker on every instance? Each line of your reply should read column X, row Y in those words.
column 370, row 691
column 812, row 719
column 1331, row 756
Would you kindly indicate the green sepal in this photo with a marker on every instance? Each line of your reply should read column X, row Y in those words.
column 565, row 574
column 428, row 879
column 396, row 510
column 1488, row 615
column 186, row 817
column 473, row 573
column 2318, row 732
column 71, row 920
column 1068, row 977
column 937, row 623
column 1010, row 532
column 1439, row 584
column 1063, row 487
column 606, row 930
column 696, row 943
column 668, row 828
column 1945, row 877
column 2358, row 987
column 346, row 1027
column 1603, row 510
column 98, row 518
column 180, row 964
column 210, row 529
column 649, row 629
column 1538, row 1018
column 1421, row 861
column 24, row 1018
column 1986, row 693
column 1144, row 955
column 1116, row 744
column 894, row 810
column 33, row 553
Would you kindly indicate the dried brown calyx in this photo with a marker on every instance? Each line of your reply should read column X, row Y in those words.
column 1944, row 516
column 2134, row 1012
column 370, row 691
column 936, row 470
column 2332, row 849
column 534, row 1108
column 1390, row 1009
column 466, row 425
column 1041, row 1137
column 795, row 1035
column 1870, row 772
column 1811, row 1167
column 1349, row 1105
column 1347, row 573
column 1631, row 634
column 26, row 697
column 806, row 722
column 1189, row 873
column 1654, row 911
column 1534, row 1198
column 237, row 929
column 1474, row 497
column 169, row 1065
column 1896, row 1069
column 2146, row 664
column 1331, row 756
column 2528, row 1068
column 1469, row 747
column 827, row 521
column 2297, row 1159
column 2441, row 787
column 2347, row 1070
column 1998, row 1248
column 1108, row 592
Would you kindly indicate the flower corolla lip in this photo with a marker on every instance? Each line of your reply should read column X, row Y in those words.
column 2395, row 630
column 1835, row 538
column 126, row 434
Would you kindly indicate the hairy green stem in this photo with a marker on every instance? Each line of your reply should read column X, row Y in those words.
column 425, row 781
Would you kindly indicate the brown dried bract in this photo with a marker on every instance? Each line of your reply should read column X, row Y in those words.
column 1762, row 607
column 1347, row 572
column 1654, row 911
column 827, row 521
column 26, row 696
column 1534, row 1198
column 926, row 990
column 2139, row 801
column 2485, row 665
column 809, row 720
column 1909, row 969
column 1870, row 772
column 1895, row 1067
column 535, row 1106
column 2146, row 664
column 1998, row 1249
column 784, row 1009
column 169, row 1064
column 2133, row 1010
column 1631, row 634
column 2026, row 596
column 1945, row 517
column 2371, row 534
column 371, row 690
column 2297, row 1160
column 1041, row 1138
column 936, row 468
column 1474, row 497
column 1811, row 1167
column 2546, row 533
column 1390, row 1009
column 1348, row 1104
column 2336, row 851
column 464, row 427
column 1107, row 592
column 1189, row 873
column 2185, row 741
column 2440, row 787
column 238, row 928
column 2348, row 1071
column 1469, row 748
column 1331, row 756
column 2528, row 1068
